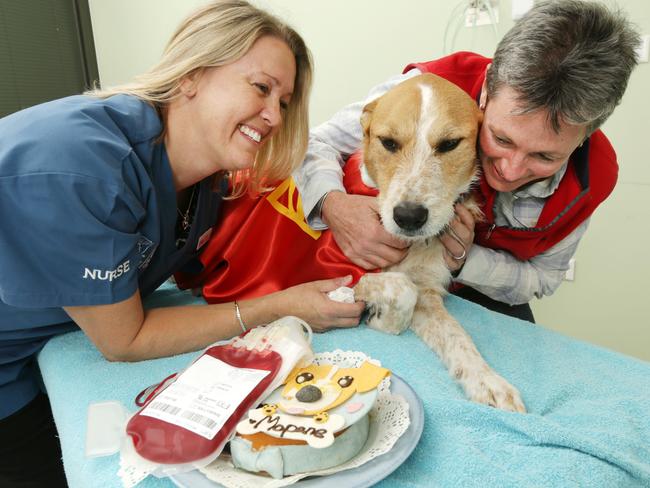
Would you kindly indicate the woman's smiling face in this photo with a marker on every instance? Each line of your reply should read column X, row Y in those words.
column 518, row 149
column 238, row 107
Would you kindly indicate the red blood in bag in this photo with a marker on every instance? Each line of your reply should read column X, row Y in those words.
column 165, row 443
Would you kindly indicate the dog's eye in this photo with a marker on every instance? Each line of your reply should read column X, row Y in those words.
column 391, row 145
column 447, row 145
column 304, row 377
column 345, row 381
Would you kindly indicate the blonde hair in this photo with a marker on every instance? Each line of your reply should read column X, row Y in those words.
column 217, row 34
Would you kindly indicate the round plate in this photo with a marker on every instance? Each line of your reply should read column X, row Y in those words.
column 369, row 473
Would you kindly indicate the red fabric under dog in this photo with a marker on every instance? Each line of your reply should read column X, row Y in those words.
column 263, row 245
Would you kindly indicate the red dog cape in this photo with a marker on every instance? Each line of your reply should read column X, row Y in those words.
column 263, row 244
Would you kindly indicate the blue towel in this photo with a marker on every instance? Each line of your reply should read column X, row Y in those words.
column 588, row 423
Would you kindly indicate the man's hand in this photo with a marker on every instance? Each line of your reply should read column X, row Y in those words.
column 355, row 224
column 459, row 238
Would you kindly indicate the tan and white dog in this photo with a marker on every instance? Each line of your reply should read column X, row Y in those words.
column 419, row 151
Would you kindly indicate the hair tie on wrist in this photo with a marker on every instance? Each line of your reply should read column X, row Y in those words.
column 238, row 315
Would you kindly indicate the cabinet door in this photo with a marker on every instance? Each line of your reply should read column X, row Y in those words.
column 46, row 51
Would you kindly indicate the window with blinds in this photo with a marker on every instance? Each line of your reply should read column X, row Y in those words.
column 46, row 51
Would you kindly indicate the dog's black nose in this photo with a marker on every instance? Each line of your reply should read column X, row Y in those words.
column 309, row 394
column 410, row 216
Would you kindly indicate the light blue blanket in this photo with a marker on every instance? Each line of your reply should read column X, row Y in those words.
column 588, row 423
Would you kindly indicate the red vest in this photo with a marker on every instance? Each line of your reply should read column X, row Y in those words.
column 589, row 179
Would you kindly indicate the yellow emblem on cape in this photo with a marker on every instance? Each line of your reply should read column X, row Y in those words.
column 288, row 209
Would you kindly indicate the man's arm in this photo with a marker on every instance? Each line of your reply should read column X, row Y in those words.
column 502, row 277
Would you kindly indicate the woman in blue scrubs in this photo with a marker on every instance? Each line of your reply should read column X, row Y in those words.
column 104, row 196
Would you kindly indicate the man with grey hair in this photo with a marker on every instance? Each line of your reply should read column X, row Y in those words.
column 555, row 78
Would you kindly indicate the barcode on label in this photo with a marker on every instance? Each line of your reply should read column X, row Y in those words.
column 199, row 419
column 165, row 407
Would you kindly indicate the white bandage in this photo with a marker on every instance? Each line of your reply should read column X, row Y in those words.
column 342, row 294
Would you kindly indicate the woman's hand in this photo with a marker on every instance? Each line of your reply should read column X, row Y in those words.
column 310, row 302
column 459, row 238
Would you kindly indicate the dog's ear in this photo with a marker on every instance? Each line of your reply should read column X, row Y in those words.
column 369, row 376
column 366, row 116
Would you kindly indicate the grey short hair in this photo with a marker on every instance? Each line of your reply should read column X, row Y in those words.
column 570, row 57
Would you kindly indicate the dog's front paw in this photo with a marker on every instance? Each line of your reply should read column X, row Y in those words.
column 390, row 299
column 381, row 317
column 491, row 389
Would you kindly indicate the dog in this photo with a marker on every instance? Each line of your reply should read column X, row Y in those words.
column 419, row 151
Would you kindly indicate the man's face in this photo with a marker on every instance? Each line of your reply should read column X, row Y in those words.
column 518, row 149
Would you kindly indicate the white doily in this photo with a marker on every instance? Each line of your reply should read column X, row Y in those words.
column 389, row 419
column 133, row 467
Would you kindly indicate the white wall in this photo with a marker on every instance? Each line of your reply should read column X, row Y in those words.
column 359, row 43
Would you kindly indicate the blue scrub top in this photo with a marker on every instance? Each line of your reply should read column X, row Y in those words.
column 87, row 217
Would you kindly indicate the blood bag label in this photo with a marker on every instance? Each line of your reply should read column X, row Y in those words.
column 204, row 396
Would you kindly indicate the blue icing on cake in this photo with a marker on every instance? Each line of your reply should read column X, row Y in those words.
column 316, row 420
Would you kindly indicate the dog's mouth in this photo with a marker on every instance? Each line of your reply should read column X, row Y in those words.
column 411, row 235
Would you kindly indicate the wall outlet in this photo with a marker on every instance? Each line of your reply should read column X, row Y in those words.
column 642, row 49
column 478, row 13
column 571, row 272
